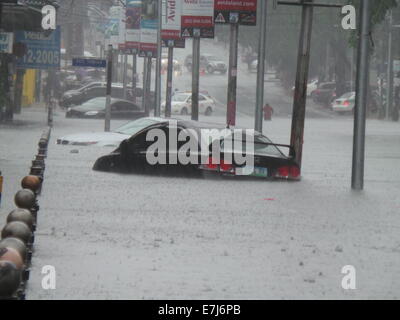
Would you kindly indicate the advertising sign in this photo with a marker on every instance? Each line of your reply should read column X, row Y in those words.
column 6, row 42
column 197, row 18
column 148, row 29
column 112, row 31
column 122, row 30
column 113, row 28
column 236, row 11
column 43, row 51
column 132, row 24
column 171, row 22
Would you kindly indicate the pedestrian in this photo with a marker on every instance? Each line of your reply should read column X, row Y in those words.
column 268, row 112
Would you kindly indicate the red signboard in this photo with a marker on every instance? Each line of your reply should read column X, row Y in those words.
column 236, row 11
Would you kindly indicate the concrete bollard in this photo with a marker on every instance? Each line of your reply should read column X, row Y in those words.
column 17, row 229
column 31, row 182
column 10, row 278
column 16, row 244
column 23, row 215
column 25, row 199
column 12, row 255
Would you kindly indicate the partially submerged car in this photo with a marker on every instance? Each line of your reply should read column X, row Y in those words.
column 220, row 154
column 96, row 108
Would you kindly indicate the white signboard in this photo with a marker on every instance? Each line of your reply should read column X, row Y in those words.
column 171, row 22
column 6, row 42
column 197, row 18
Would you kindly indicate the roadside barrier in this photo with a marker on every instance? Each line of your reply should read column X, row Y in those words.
column 17, row 236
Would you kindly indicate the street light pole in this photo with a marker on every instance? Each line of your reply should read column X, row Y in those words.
column 389, row 85
column 170, row 68
column 232, row 78
column 108, row 90
column 195, row 77
column 158, row 64
column 258, row 126
column 362, row 83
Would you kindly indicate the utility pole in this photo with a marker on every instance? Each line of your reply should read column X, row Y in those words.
column 125, row 74
column 134, row 76
column 300, row 91
column 232, row 78
column 148, row 85
column 389, row 84
column 107, row 123
column 362, row 84
column 170, row 70
column 158, row 64
column 303, row 62
column 195, row 76
column 144, row 86
column 258, row 125
column 18, row 89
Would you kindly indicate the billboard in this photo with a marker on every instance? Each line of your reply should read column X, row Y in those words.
column 132, row 25
column 122, row 30
column 148, row 29
column 113, row 28
column 171, row 21
column 43, row 50
column 197, row 18
column 236, row 11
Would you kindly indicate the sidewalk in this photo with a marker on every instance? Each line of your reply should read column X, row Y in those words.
column 18, row 146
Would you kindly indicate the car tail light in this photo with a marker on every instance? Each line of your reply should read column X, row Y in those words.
column 346, row 103
column 288, row 172
column 212, row 164
column 283, row 172
column 294, row 172
column 226, row 167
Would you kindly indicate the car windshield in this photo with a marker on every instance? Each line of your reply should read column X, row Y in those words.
column 133, row 127
column 180, row 97
column 347, row 95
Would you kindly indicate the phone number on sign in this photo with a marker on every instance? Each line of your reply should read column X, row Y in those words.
column 42, row 57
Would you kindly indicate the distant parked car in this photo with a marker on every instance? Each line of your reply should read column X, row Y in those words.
column 325, row 93
column 77, row 97
column 311, row 87
column 96, row 108
column 182, row 104
column 209, row 62
column 164, row 63
column 345, row 104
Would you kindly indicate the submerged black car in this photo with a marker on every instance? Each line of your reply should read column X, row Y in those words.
column 96, row 108
column 184, row 146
